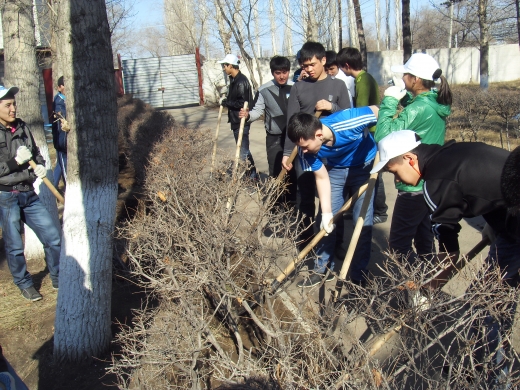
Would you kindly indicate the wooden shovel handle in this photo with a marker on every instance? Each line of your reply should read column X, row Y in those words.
column 49, row 184
column 216, row 139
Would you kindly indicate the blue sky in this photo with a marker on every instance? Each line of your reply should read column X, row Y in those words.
column 150, row 13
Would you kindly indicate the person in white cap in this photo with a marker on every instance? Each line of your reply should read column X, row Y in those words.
column 463, row 180
column 425, row 111
column 239, row 92
column 18, row 201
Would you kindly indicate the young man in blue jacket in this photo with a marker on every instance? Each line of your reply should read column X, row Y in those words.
column 340, row 151
column 59, row 134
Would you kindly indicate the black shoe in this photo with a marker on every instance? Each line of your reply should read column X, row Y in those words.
column 379, row 219
column 360, row 283
column 31, row 294
column 330, row 277
column 55, row 284
column 310, row 281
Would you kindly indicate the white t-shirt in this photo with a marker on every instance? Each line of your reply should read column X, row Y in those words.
column 350, row 83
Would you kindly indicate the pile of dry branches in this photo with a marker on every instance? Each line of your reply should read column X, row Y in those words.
column 209, row 260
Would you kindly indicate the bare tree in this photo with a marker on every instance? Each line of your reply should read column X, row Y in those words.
column 21, row 69
column 378, row 25
column 407, row 33
column 387, row 24
column 82, row 326
column 506, row 104
column 483, row 43
column 360, row 33
column 398, row 25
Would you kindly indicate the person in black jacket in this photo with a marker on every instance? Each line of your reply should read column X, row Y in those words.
column 18, row 201
column 464, row 180
column 238, row 93
column 461, row 180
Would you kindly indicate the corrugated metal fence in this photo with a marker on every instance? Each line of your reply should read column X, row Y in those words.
column 163, row 81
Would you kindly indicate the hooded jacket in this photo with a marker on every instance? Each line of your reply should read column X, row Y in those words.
column 239, row 92
column 14, row 176
column 271, row 100
column 462, row 180
column 422, row 114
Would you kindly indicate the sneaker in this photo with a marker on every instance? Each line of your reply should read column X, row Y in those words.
column 330, row 277
column 379, row 219
column 31, row 294
column 55, row 284
column 310, row 281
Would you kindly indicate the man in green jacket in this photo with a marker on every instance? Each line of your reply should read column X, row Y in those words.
column 425, row 111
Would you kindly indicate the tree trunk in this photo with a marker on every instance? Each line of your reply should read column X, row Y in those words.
column 273, row 26
column 360, row 33
column 517, row 3
column 340, row 26
column 407, row 33
column 312, row 25
column 387, row 20
column 398, row 29
column 82, row 327
column 225, row 34
column 484, row 44
column 378, row 26
column 21, row 70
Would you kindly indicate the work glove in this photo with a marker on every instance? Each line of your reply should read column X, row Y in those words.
column 398, row 90
column 326, row 218
column 23, row 154
column 40, row 171
column 222, row 101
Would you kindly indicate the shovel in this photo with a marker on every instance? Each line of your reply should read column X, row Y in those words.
column 49, row 184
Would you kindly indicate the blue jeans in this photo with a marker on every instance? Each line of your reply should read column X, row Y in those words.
column 244, row 150
column 17, row 207
column 60, row 169
column 344, row 183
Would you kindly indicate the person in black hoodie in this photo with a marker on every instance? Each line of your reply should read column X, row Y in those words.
column 238, row 93
column 18, row 201
column 462, row 180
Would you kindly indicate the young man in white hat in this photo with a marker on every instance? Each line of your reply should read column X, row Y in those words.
column 18, row 201
column 239, row 92
column 461, row 180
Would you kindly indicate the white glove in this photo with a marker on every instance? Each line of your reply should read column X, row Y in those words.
column 326, row 218
column 398, row 90
column 40, row 171
column 23, row 154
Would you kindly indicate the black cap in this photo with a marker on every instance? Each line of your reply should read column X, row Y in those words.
column 60, row 81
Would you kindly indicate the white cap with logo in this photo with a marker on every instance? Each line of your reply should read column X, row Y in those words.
column 393, row 145
column 230, row 59
column 4, row 91
column 421, row 65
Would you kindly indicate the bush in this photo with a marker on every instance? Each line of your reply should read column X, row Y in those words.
column 208, row 247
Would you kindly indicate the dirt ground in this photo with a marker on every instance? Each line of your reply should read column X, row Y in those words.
column 26, row 329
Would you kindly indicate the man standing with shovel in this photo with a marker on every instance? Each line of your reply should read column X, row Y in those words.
column 340, row 151
column 239, row 93
column 18, row 201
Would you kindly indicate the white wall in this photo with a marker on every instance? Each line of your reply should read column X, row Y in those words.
column 459, row 66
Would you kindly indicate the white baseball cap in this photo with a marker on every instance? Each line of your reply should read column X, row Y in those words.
column 230, row 59
column 421, row 65
column 4, row 91
column 393, row 145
